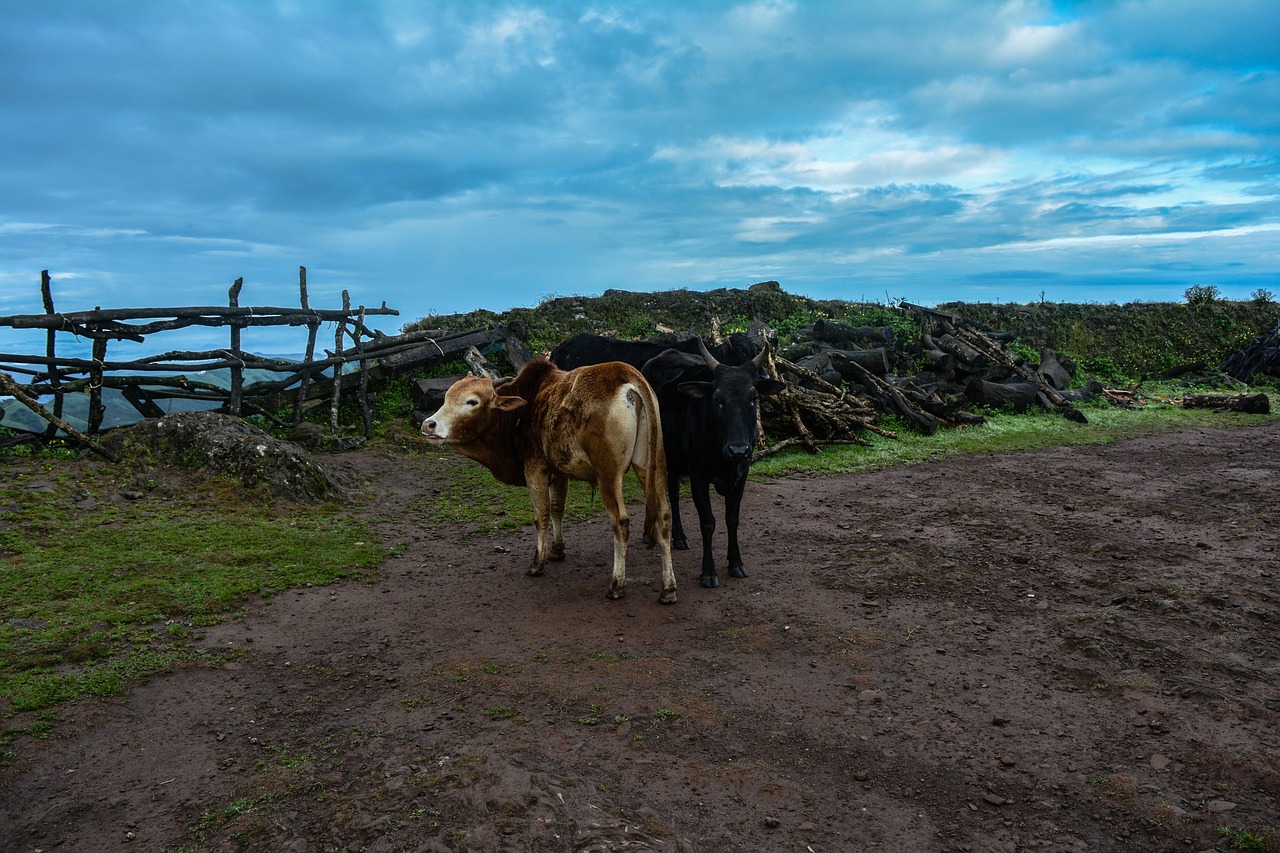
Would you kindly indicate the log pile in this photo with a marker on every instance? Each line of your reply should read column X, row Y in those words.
column 1261, row 355
column 935, row 382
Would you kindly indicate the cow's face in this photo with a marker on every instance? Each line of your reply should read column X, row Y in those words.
column 733, row 397
column 470, row 405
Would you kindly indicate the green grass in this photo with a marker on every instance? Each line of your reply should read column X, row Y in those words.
column 1002, row 433
column 93, row 600
column 472, row 498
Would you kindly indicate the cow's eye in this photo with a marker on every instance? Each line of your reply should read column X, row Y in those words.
column 472, row 402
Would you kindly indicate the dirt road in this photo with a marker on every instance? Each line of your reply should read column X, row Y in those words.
column 1057, row 651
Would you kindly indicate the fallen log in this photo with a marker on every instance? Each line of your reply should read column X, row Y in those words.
column 962, row 350
column 894, row 400
column 839, row 333
column 989, row 349
column 480, row 365
column 1088, row 392
column 875, row 361
column 1019, row 396
column 8, row 386
column 1053, row 371
column 1249, row 404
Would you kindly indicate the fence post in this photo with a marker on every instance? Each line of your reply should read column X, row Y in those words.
column 365, row 414
column 337, row 368
column 96, row 409
column 313, row 326
column 237, row 370
column 55, row 375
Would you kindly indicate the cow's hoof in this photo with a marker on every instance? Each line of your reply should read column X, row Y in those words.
column 557, row 553
column 615, row 593
column 737, row 572
column 709, row 581
column 536, row 570
column 667, row 597
column 681, row 544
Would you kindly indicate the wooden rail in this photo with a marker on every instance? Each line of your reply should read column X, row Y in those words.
column 52, row 375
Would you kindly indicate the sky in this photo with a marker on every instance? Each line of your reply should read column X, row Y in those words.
column 447, row 156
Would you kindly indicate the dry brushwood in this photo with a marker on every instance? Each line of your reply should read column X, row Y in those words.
column 821, row 414
column 984, row 345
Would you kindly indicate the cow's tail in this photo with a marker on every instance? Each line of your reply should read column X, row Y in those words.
column 654, row 459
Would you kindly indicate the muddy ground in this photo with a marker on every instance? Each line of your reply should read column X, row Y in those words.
column 1060, row 651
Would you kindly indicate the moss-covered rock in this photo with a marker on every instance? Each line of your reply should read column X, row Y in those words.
column 220, row 445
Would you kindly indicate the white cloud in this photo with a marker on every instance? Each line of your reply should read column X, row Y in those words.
column 448, row 152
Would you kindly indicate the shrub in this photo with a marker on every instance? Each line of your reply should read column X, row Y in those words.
column 1202, row 294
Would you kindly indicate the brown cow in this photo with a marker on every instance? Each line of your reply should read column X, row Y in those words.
column 548, row 426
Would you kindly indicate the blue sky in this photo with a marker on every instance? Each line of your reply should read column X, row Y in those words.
column 445, row 156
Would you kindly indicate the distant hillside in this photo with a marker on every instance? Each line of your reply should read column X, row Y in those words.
column 1132, row 340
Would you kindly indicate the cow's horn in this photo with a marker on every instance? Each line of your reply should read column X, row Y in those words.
column 706, row 356
column 761, row 358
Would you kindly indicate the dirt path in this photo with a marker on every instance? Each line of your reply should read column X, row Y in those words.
column 1058, row 651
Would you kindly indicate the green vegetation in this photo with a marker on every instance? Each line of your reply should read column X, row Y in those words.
column 1238, row 838
column 1003, row 432
column 94, row 599
column 473, row 499
column 1124, row 343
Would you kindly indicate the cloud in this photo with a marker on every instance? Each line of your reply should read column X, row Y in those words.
column 450, row 155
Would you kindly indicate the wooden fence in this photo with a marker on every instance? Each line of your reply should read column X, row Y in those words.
column 144, row 381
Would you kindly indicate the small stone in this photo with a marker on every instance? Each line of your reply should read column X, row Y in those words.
column 772, row 822
column 871, row 696
column 1219, row 806
column 993, row 799
column 1159, row 762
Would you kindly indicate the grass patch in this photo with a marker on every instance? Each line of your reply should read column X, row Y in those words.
column 1003, row 432
column 472, row 498
column 91, row 600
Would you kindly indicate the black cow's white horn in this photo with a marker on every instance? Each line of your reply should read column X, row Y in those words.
column 706, row 356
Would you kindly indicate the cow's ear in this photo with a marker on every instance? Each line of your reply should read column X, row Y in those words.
column 769, row 387
column 509, row 404
column 695, row 389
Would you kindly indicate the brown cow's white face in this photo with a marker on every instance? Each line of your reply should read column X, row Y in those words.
column 470, row 405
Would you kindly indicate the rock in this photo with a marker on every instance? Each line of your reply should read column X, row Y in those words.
column 1159, row 762
column 1219, row 806
column 217, row 444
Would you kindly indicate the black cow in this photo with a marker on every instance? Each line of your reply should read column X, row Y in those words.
column 584, row 349
column 709, row 418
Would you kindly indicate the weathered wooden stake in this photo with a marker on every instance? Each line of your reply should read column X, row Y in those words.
column 237, row 370
column 313, row 326
column 55, row 378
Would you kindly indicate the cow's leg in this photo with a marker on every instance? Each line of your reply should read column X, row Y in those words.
column 678, row 540
column 662, row 527
column 539, row 496
column 611, row 497
column 665, row 543
column 558, row 490
column 732, row 508
column 699, row 488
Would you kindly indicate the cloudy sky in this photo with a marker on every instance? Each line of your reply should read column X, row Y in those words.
column 444, row 156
